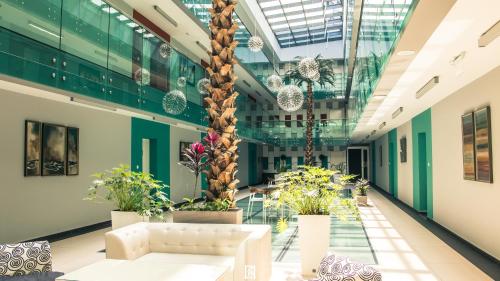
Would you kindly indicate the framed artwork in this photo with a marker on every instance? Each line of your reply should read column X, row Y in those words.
column 32, row 148
column 53, row 150
column 187, row 69
column 182, row 146
column 482, row 126
column 403, row 152
column 72, row 151
column 468, row 149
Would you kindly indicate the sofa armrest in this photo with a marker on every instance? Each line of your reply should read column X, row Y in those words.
column 127, row 243
column 254, row 257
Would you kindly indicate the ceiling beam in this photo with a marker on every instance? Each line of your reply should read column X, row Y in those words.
column 353, row 50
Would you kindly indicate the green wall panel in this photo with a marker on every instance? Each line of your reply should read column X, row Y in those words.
column 422, row 162
column 300, row 160
column 159, row 136
column 393, row 162
column 204, row 182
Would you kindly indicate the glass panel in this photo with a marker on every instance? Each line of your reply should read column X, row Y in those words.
column 125, row 45
column 85, row 26
column 35, row 19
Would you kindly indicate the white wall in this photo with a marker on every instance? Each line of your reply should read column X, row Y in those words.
column 181, row 178
column 382, row 178
column 471, row 209
column 405, row 170
column 32, row 207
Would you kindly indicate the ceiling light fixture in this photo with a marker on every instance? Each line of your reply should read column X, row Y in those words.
column 489, row 35
column 427, row 87
column 198, row 43
column 458, row 58
column 373, row 132
column 381, row 125
column 167, row 17
column 246, row 83
column 397, row 112
column 406, row 53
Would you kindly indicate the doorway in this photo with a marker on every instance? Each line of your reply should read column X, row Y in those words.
column 357, row 162
column 422, row 171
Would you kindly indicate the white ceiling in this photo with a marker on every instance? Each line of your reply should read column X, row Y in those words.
column 458, row 32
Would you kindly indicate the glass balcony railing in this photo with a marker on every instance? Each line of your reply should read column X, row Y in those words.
column 381, row 26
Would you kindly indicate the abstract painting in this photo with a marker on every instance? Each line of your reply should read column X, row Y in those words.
column 182, row 146
column 484, row 171
column 32, row 148
column 403, row 152
column 469, row 160
column 72, row 150
column 53, row 150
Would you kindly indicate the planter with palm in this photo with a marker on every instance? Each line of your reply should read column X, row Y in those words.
column 220, row 103
column 326, row 77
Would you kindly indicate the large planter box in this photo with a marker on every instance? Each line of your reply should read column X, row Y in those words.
column 233, row 216
column 314, row 240
column 121, row 219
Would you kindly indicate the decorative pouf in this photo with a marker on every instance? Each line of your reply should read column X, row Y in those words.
column 337, row 268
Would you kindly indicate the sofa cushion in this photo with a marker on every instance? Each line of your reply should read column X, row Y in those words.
column 41, row 276
column 25, row 258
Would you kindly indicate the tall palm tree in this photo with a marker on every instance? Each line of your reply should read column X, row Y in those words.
column 220, row 102
column 326, row 76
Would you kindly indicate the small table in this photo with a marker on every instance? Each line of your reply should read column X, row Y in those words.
column 130, row 270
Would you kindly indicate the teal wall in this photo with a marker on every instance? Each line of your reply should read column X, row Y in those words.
column 252, row 164
column 393, row 162
column 159, row 136
column 373, row 159
column 422, row 124
column 204, row 183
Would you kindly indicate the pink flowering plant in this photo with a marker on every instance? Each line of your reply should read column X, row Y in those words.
column 196, row 161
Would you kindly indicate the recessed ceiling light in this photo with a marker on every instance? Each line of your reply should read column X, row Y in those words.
column 458, row 58
column 489, row 35
column 397, row 112
column 406, row 53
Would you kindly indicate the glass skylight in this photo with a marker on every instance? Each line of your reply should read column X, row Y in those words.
column 302, row 22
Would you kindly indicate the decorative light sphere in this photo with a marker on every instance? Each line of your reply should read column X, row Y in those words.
column 274, row 82
column 142, row 76
column 202, row 85
column 165, row 50
column 181, row 81
column 290, row 98
column 255, row 44
column 174, row 102
column 308, row 67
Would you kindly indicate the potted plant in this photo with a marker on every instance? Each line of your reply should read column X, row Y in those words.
column 310, row 193
column 136, row 194
column 214, row 209
column 360, row 191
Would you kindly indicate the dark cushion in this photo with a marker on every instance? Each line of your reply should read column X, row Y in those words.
column 42, row 276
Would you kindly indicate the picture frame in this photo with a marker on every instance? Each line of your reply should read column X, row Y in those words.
column 32, row 148
column 483, row 145
column 72, row 151
column 403, row 154
column 53, row 150
column 468, row 147
column 182, row 146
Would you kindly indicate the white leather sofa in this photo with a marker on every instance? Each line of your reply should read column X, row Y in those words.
column 245, row 250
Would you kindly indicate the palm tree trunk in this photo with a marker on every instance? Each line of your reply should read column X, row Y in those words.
column 221, row 102
column 309, row 126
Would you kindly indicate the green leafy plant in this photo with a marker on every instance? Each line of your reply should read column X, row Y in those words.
column 216, row 205
column 361, row 187
column 130, row 191
column 346, row 179
column 309, row 191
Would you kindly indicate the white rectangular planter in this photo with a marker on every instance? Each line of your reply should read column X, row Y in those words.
column 234, row 216
column 314, row 240
column 121, row 219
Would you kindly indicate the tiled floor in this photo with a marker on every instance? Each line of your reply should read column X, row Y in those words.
column 403, row 250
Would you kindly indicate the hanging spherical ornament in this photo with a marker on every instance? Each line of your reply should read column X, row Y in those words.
column 255, row 44
column 174, row 102
column 165, row 50
column 274, row 82
column 142, row 76
column 316, row 77
column 308, row 67
column 181, row 81
column 290, row 98
column 202, row 85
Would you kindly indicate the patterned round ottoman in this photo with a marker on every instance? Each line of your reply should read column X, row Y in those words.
column 337, row 268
